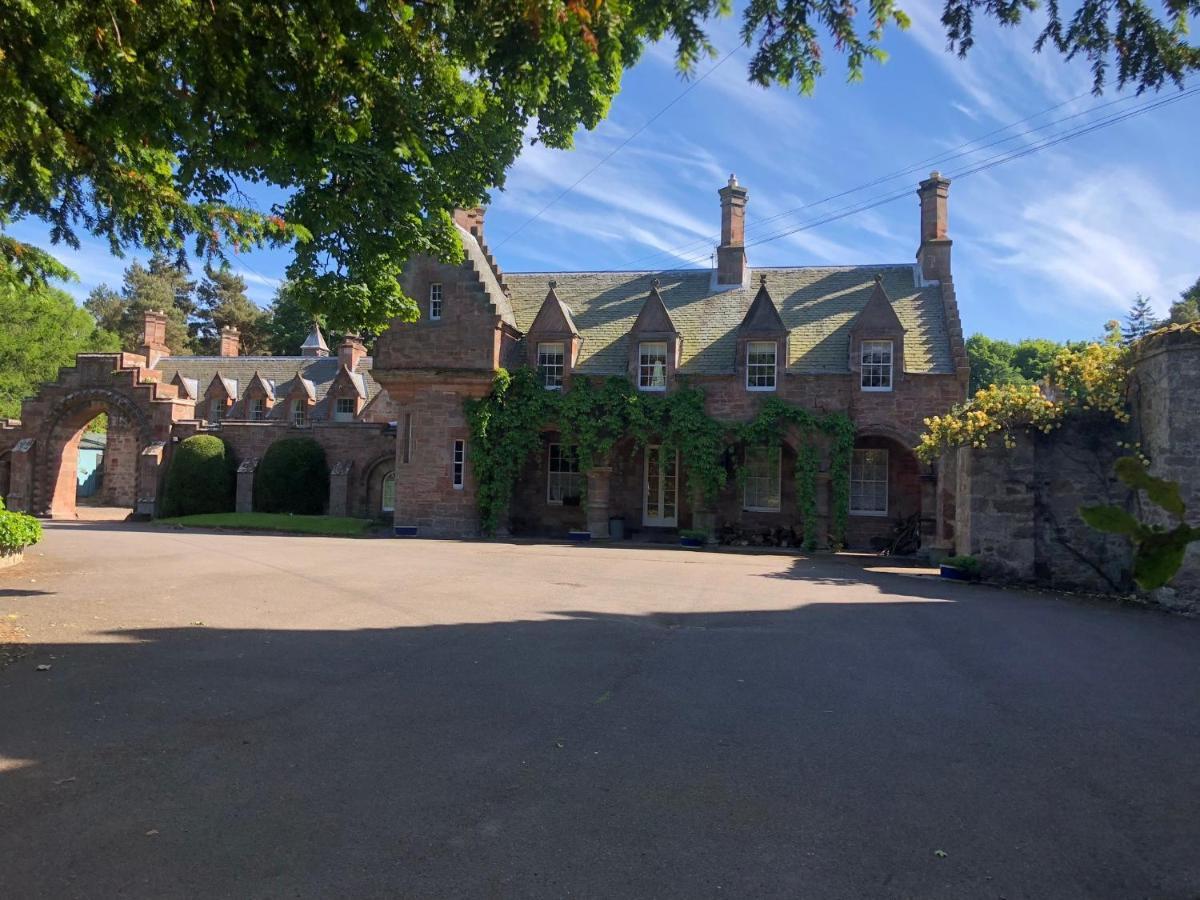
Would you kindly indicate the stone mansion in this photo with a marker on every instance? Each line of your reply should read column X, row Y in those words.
column 882, row 343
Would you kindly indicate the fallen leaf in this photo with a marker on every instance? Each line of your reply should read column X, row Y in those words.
column 152, row 832
column 940, row 854
column 44, row 667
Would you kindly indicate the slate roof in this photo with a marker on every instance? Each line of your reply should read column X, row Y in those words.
column 817, row 305
column 319, row 370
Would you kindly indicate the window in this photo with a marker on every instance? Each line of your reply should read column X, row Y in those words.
column 550, row 365
column 258, row 409
column 216, row 410
column 299, row 413
column 876, row 365
column 387, row 493
column 869, row 483
column 760, row 365
column 563, row 481
column 652, row 366
column 343, row 409
column 762, row 492
column 435, row 301
column 460, row 461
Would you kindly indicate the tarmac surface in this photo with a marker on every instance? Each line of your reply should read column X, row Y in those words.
column 230, row 715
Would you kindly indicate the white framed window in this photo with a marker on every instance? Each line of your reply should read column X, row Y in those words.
column 435, row 301
column 299, row 413
column 760, row 365
column 876, row 365
column 869, row 483
column 258, row 409
column 216, row 410
column 550, row 365
column 459, row 466
column 652, row 366
column 762, row 490
column 563, row 481
column 387, row 493
column 343, row 409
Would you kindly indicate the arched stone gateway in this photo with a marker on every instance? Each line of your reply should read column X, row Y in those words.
column 43, row 448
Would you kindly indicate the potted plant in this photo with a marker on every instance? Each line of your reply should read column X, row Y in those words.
column 17, row 531
column 693, row 537
column 961, row 568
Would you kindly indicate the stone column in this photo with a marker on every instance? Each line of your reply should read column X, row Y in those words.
column 149, row 463
column 339, row 488
column 20, row 477
column 245, row 485
column 597, row 501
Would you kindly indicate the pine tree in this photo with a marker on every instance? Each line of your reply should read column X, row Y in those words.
column 161, row 285
column 1140, row 320
column 222, row 301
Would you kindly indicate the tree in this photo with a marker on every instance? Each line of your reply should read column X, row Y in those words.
column 1139, row 321
column 41, row 330
column 161, row 285
column 139, row 122
column 1187, row 307
column 222, row 301
column 290, row 323
column 1000, row 362
column 1034, row 357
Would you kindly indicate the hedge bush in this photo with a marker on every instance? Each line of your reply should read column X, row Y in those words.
column 17, row 530
column 292, row 477
column 202, row 478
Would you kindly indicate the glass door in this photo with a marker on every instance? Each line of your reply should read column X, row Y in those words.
column 661, row 488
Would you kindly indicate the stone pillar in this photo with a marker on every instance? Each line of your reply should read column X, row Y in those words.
column 996, row 509
column 150, row 467
column 339, row 488
column 947, row 485
column 929, row 509
column 244, row 502
column 704, row 517
column 597, row 501
column 20, row 477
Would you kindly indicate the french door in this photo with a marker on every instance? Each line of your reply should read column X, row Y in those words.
column 660, row 506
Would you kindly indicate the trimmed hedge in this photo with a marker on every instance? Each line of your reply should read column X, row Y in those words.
column 292, row 477
column 17, row 530
column 202, row 478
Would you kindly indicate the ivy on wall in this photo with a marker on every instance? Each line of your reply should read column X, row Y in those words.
column 506, row 428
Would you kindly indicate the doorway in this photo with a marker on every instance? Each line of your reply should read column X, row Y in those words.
column 661, row 489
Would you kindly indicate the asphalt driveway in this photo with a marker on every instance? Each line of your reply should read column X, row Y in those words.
column 259, row 716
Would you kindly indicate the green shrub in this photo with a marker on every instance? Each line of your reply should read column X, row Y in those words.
column 202, row 478
column 292, row 478
column 968, row 565
column 17, row 530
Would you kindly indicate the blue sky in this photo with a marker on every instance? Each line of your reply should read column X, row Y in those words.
column 1049, row 245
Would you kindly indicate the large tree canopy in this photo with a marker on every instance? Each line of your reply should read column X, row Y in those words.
column 144, row 122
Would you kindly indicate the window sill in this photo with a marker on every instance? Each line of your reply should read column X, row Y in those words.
column 760, row 390
column 870, row 514
column 652, row 390
column 876, row 390
column 761, row 509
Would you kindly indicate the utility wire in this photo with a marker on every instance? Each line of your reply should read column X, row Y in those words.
column 621, row 146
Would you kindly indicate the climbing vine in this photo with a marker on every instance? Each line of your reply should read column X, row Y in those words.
column 506, row 428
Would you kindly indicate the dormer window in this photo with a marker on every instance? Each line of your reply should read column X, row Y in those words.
column 652, row 366
column 343, row 409
column 435, row 301
column 216, row 410
column 761, row 365
column 258, row 409
column 299, row 413
column 876, row 366
column 550, row 365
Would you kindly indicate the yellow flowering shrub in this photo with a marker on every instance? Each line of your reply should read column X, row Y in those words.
column 1090, row 379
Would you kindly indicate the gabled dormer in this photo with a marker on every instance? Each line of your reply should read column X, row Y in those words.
column 299, row 398
column 346, row 396
column 654, row 345
column 761, row 344
column 553, row 342
column 219, row 398
column 188, row 388
column 877, row 343
column 258, row 398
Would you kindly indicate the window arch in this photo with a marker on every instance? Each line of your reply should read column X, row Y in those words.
column 387, row 493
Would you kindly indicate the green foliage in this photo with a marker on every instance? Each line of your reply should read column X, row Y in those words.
column 139, row 122
column 1139, row 321
column 164, row 285
column 1000, row 362
column 506, row 431
column 222, row 301
column 17, row 530
column 968, row 565
column 289, row 323
column 1158, row 551
column 201, row 478
column 1187, row 308
column 41, row 330
column 336, row 526
column 292, row 477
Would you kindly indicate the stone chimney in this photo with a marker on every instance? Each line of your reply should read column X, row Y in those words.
column 934, row 254
column 350, row 351
column 731, row 255
column 154, row 337
column 470, row 219
column 231, row 341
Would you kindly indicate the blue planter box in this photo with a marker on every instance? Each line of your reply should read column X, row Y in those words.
column 405, row 530
column 581, row 536
column 691, row 542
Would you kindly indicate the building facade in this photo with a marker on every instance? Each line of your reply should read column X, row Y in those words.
column 882, row 343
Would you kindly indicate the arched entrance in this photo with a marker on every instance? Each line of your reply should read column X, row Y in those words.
column 129, row 433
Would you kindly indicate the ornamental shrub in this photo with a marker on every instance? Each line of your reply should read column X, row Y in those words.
column 17, row 530
column 201, row 479
column 292, row 477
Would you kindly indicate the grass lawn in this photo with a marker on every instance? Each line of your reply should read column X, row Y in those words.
column 331, row 525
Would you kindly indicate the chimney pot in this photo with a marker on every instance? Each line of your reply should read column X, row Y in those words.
column 350, row 351
column 231, row 341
